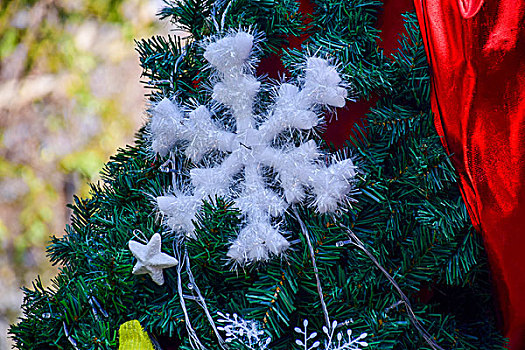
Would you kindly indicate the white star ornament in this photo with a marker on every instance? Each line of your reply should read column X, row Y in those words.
column 150, row 259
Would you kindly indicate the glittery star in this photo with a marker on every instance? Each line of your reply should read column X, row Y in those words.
column 150, row 259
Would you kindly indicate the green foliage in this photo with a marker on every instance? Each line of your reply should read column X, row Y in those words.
column 408, row 214
column 171, row 68
column 94, row 289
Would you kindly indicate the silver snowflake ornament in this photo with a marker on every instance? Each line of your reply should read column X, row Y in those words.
column 248, row 150
column 150, row 259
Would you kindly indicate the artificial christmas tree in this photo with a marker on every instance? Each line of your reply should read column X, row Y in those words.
column 279, row 241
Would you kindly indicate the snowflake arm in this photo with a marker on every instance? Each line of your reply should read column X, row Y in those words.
column 168, row 127
column 295, row 168
column 293, row 106
column 331, row 184
column 322, row 84
column 216, row 181
column 291, row 111
column 180, row 211
column 204, row 136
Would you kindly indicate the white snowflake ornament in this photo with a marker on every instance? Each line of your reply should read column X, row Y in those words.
column 303, row 175
column 332, row 341
column 245, row 332
column 150, row 259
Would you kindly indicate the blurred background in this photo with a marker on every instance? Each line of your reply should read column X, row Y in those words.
column 70, row 95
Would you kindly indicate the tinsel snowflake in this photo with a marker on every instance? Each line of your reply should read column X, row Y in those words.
column 259, row 168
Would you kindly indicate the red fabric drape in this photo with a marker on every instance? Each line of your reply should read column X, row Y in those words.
column 476, row 51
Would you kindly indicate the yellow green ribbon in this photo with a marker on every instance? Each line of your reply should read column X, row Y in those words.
column 133, row 337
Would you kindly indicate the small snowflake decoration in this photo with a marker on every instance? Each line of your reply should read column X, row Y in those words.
column 245, row 332
column 339, row 342
column 250, row 150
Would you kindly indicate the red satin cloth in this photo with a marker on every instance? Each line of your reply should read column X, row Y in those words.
column 476, row 51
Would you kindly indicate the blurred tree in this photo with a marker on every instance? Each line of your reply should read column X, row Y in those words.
column 69, row 96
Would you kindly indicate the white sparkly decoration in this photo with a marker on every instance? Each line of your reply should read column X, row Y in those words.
column 150, row 259
column 332, row 342
column 245, row 332
column 250, row 152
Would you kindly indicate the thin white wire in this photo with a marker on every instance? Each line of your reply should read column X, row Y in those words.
column 354, row 240
column 194, row 339
column 316, row 270
column 200, row 300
